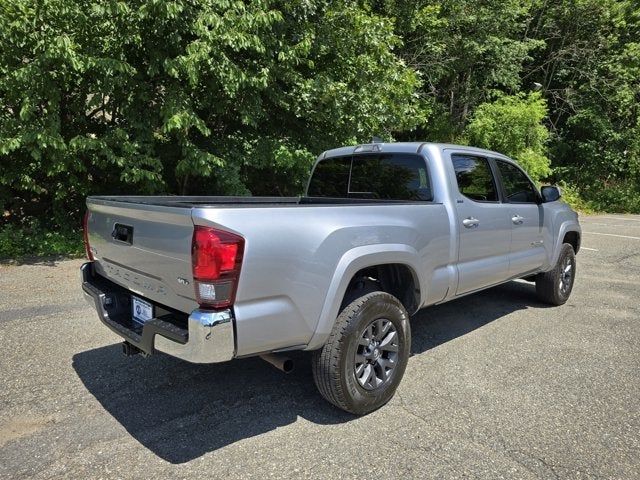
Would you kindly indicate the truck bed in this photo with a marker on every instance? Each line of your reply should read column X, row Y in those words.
column 293, row 247
column 155, row 261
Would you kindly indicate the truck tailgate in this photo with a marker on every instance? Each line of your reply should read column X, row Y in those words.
column 145, row 248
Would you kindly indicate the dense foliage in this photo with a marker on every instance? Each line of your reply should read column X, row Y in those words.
column 237, row 97
column 513, row 126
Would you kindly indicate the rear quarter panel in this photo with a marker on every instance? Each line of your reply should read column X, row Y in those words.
column 299, row 260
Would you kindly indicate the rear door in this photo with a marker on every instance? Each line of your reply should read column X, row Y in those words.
column 526, row 216
column 483, row 224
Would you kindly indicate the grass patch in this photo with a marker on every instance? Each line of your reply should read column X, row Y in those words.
column 18, row 242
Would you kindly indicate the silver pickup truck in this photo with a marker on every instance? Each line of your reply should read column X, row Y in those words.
column 384, row 229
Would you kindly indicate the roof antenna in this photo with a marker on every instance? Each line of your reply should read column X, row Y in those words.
column 375, row 139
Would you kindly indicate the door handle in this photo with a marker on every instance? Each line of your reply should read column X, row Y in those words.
column 517, row 219
column 471, row 222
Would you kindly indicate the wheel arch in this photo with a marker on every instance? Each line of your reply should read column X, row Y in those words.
column 568, row 231
column 397, row 279
column 572, row 237
column 391, row 263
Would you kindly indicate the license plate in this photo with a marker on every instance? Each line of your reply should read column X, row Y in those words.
column 141, row 311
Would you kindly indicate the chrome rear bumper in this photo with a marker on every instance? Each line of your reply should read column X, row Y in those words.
column 203, row 337
column 211, row 338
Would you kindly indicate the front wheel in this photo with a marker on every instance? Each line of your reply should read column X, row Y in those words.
column 362, row 363
column 554, row 287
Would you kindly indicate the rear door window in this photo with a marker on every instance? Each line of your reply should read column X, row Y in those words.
column 474, row 177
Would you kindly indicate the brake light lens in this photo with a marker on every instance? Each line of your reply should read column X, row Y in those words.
column 85, row 236
column 216, row 258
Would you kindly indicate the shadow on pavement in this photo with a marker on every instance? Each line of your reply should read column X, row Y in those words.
column 436, row 325
column 181, row 411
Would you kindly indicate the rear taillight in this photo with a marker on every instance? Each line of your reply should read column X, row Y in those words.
column 216, row 257
column 85, row 236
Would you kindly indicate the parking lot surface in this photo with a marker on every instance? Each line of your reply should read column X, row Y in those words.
column 498, row 386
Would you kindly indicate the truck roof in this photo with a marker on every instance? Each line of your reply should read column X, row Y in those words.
column 407, row 147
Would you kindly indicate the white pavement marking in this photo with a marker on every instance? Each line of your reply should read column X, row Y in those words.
column 611, row 225
column 613, row 235
column 587, row 248
column 622, row 218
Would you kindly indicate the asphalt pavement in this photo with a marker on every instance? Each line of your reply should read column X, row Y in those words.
column 498, row 386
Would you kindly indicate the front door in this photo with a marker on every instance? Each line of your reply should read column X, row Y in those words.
column 484, row 228
column 526, row 216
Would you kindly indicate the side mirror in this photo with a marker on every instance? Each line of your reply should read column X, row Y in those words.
column 550, row 193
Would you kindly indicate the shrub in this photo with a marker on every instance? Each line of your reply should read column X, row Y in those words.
column 17, row 242
column 513, row 126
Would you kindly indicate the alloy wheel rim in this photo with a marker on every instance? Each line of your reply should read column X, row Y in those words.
column 566, row 276
column 377, row 354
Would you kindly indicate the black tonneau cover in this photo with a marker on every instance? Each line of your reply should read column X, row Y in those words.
column 230, row 201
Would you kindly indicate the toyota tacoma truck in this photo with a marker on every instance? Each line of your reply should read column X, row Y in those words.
column 383, row 230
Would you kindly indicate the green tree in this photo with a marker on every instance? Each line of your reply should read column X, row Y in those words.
column 590, row 73
column 466, row 51
column 220, row 97
column 513, row 125
column 215, row 97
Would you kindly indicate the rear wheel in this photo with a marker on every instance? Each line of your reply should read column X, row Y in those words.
column 362, row 363
column 554, row 287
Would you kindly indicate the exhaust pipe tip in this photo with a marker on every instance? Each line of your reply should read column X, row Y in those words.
column 287, row 365
column 282, row 363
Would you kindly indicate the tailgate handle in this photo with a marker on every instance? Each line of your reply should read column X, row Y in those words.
column 122, row 233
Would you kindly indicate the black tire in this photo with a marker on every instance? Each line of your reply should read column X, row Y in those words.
column 554, row 287
column 335, row 366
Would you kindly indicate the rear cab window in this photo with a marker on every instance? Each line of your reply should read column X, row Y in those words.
column 381, row 176
column 330, row 178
